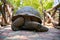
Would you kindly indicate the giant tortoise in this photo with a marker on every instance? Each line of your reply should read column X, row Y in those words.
column 27, row 18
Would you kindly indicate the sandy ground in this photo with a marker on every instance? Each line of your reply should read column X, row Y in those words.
column 7, row 34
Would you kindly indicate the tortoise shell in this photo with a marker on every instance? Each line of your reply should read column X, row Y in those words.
column 29, row 12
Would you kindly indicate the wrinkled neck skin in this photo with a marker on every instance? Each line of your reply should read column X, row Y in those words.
column 27, row 19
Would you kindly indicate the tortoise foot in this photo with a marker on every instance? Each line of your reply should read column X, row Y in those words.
column 42, row 29
column 35, row 26
column 14, row 28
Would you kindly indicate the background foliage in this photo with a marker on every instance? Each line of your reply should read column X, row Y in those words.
column 37, row 4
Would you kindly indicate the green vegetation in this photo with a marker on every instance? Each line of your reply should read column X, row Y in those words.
column 37, row 4
column 0, row 3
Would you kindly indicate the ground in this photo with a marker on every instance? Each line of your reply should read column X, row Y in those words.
column 7, row 34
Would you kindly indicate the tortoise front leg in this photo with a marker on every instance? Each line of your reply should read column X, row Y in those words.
column 17, row 24
column 31, row 25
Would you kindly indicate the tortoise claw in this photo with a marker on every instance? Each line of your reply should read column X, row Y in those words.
column 43, row 29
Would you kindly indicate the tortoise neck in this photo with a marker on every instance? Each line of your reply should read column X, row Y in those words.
column 27, row 19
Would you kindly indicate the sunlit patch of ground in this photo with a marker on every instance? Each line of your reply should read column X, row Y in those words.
column 50, row 25
column 7, row 34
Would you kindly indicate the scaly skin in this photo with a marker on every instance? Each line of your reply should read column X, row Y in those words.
column 29, row 25
column 17, row 23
